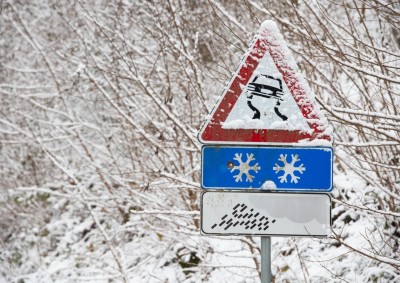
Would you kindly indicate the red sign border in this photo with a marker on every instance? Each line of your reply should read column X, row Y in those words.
column 212, row 131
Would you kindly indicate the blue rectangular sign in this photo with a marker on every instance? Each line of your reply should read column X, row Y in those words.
column 280, row 168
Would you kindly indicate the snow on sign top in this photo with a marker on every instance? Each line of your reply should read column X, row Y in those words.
column 267, row 101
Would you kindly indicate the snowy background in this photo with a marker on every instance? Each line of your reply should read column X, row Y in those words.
column 101, row 102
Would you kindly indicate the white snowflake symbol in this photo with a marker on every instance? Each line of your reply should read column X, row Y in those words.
column 245, row 167
column 289, row 168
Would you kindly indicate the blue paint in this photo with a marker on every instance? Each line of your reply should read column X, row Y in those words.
column 316, row 169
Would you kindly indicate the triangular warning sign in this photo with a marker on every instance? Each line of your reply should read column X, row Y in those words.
column 267, row 101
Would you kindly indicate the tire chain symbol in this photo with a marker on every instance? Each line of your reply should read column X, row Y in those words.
column 247, row 218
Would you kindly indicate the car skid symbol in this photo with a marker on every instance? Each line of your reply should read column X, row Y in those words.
column 267, row 91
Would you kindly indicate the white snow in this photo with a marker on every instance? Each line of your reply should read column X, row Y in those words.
column 268, row 185
column 245, row 123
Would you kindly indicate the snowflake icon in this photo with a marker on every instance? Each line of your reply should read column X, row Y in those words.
column 289, row 168
column 245, row 167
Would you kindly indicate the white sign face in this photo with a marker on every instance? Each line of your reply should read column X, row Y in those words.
column 265, row 213
column 266, row 102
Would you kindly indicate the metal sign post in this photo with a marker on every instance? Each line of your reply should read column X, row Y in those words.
column 265, row 259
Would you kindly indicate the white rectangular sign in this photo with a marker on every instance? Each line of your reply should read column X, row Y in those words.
column 265, row 213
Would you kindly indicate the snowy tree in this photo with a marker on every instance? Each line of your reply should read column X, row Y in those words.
column 101, row 104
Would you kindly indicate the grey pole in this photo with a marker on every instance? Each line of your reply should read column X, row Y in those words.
column 265, row 259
